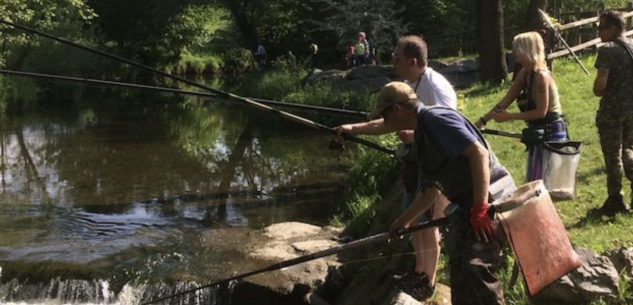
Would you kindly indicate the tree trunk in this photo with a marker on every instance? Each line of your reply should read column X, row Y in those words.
column 492, row 62
column 533, row 20
column 245, row 23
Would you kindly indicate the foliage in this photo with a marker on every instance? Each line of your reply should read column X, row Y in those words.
column 154, row 32
column 371, row 173
column 237, row 61
column 379, row 19
column 45, row 15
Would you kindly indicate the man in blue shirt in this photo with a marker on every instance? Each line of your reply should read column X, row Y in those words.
column 454, row 160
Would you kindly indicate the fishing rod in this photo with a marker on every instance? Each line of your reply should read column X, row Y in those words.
column 550, row 25
column 316, row 255
column 501, row 133
column 356, row 113
column 228, row 95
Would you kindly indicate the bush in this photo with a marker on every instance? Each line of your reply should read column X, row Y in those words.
column 237, row 61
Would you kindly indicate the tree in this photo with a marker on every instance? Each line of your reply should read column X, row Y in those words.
column 378, row 18
column 492, row 62
column 45, row 15
column 154, row 32
column 534, row 21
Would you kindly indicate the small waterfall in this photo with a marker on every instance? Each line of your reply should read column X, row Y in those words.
column 93, row 292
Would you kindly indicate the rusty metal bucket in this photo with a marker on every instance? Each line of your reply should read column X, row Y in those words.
column 537, row 236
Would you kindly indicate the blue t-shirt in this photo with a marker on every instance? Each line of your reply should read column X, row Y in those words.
column 449, row 129
column 441, row 137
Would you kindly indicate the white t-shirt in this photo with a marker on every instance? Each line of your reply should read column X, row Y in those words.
column 434, row 90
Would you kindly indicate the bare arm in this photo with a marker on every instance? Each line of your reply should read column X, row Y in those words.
column 375, row 127
column 542, row 81
column 478, row 158
column 511, row 95
column 600, row 84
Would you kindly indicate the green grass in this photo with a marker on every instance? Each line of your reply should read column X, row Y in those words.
column 578, row 102
column 580, row 105
column 367, row 174
column 197, row 64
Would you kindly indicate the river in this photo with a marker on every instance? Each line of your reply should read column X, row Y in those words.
column 118, row 197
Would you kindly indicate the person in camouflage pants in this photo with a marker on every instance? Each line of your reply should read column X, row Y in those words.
column 614, row 84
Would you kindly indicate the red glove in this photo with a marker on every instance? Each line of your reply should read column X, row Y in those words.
column 479, row 220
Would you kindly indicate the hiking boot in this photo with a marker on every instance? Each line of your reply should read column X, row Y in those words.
column 417, row 285
column 612, row 206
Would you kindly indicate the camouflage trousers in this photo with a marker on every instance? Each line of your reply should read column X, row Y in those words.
column 616, row 139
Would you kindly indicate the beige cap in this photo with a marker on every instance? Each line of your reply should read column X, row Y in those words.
column 391, row 93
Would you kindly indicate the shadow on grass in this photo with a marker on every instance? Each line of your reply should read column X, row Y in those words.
column 592, row 173
column 481, row 89
column 593, row 219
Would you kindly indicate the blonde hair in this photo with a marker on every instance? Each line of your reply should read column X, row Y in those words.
column 531, row 46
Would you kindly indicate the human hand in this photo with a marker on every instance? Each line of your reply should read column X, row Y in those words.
column 406, row 136
column 395, row 228
column 483, row 229
column 501, row 116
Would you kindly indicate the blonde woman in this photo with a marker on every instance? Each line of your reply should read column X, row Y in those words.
column 538, row 102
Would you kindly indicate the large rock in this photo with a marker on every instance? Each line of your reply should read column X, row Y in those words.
column 361, row 86
column 463, row 73
column 437, row 65
column 327, row 76
column 365, row 72
column 284, row 241
column 461, row 66
column 595, row 278
column 290, row 230
column 622, row 259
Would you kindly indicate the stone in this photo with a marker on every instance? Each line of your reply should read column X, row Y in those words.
column 361, row 86
column 327, row 76
column 365, row 72
column 462, row 73
column 595, row 278
column 289, row 230
column 437, row 65
column 461, row 66
column 312, row 246
column 622, row 259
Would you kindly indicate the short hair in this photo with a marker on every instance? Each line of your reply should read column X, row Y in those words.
column 613, row 18
column 530, row 45
column 414, row 47
column 362, row 34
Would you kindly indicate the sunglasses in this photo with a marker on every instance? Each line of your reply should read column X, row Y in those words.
column 384, row 112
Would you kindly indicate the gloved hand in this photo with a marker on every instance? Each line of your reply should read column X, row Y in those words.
column 481, row 223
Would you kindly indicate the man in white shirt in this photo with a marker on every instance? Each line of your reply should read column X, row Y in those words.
column 410, row 61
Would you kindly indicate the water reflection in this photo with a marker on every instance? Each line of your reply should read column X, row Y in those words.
column 115, row 175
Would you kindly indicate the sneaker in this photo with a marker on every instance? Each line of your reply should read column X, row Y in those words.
column 612, row 206
column 417, row 285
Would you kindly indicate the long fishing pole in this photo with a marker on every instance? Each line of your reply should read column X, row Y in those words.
column 302, row 259
column 501, row 133
column 227, row 95
column 356, row 113
column 550, row 25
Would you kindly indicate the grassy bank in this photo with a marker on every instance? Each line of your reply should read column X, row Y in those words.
column 369, row 179
column 580, row 106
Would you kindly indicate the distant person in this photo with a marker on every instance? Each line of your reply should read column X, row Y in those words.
column 292, row 60
column 539, row 104
column 350, row 57
column 260, row 57
column 375, row 57
column 314, row 56
column 614, row 119
column 362, row 37
column 359, row 52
